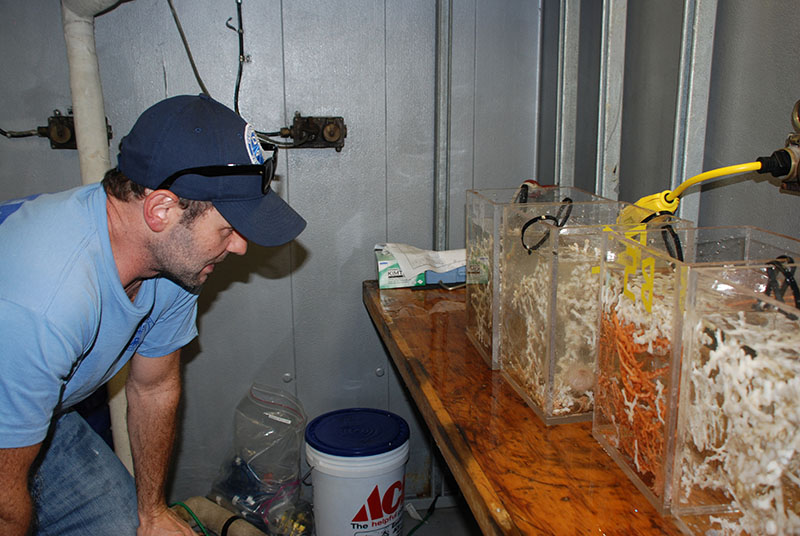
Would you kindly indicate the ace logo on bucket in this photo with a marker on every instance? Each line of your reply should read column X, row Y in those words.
column 380, row 509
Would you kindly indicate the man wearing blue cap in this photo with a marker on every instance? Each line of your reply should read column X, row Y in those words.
column 104, row 274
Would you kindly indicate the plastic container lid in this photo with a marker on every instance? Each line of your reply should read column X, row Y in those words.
column 357, row 432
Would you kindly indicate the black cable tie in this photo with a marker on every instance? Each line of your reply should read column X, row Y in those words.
column 522, row 196
column 779, row 290
column 567, row 205
column 228, row 522
column 558, row 220
column 537, row 245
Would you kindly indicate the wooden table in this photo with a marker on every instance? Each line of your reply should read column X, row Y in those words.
column 518, row 476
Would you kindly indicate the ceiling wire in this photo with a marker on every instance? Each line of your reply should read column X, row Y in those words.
column 264, row 136
column 188, row 51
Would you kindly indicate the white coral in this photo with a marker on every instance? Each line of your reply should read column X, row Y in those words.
column 742, row 434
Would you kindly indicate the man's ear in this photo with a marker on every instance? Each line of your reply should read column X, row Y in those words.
column 160, row 207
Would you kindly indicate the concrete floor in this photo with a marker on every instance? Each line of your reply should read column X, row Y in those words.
column 450, row 521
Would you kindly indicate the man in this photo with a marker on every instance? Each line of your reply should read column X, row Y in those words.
column 102, row 274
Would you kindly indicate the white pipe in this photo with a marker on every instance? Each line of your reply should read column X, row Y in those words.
column 84, row 83
column 118, row 410
column 92, row 140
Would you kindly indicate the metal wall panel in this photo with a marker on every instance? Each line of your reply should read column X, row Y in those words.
column 337, row 73
column 462, row 116
column 410, row 101
column 652, row 57
column 410, row 65
column 588, row 91
column 494, row 99
column 506, row 92
column 34, row 83
column 755, row 83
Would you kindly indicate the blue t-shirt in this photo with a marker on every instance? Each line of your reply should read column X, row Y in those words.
column 62, row 305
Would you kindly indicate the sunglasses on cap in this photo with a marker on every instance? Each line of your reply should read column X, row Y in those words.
column 265, row 170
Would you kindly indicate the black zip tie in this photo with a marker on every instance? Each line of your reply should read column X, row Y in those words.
column 672, row 242
column 228, row 522
column 674, row 249
column 566, row 206
column 522, row 196
column 305, row 477
column 537, row 219
column 558, row 220
column 779, row 290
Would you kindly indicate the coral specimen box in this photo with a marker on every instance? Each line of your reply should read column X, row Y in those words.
column 737, row 453
column 484, row 211
column 644, row 298
column 549, row 298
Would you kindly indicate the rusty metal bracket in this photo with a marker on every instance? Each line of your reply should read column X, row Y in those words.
column 316, row 132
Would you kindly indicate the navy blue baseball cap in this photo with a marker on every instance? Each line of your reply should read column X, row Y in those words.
column 195, row 131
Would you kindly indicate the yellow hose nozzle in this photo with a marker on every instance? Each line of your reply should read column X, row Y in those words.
column 657, row 203
column 664, row 201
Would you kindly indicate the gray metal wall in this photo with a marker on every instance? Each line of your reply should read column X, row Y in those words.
column 293, row 316
column 755, row 82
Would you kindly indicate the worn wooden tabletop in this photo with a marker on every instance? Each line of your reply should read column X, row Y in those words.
column 518, row 476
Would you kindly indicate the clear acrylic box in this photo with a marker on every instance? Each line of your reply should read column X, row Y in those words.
column 549, row 299
column 644, row 297
column 484, row 211
column 737, row 459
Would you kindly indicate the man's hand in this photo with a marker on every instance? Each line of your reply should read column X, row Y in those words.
column 163, row 523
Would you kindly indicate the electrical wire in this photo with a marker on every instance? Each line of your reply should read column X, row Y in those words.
column 240, row 31
column 196, row 520
column 263, row 136
column 188, row 51
column 713, row 174
column 282, row 144
column 428, row 514
column 19, row 134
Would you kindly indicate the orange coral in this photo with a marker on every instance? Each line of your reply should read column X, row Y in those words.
column 628, row 390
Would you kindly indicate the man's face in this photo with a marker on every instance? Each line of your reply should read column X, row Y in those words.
column 189, row 251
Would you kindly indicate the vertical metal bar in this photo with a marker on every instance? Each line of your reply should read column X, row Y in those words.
column 441, row 172
column 691, row 112
column 567, row 107
column 538, row 90
column 609, row 120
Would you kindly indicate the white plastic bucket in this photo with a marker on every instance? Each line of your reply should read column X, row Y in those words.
column 358, row 458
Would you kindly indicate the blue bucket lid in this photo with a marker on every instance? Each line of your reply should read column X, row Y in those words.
column 357, row 432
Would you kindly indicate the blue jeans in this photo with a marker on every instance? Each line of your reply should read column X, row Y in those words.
column 81, row 488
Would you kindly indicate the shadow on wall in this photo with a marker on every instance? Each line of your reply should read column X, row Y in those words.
column 269, row 263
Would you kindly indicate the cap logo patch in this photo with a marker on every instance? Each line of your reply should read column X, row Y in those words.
column 253, row 145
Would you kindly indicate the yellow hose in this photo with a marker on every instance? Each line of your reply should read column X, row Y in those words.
column 667, row 201
column 713, row 174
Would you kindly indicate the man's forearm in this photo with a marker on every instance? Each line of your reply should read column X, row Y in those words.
column 151, row 426
column 15, row 519
column 16, row 506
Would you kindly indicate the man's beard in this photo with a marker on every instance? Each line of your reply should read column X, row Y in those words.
column 175, row 258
